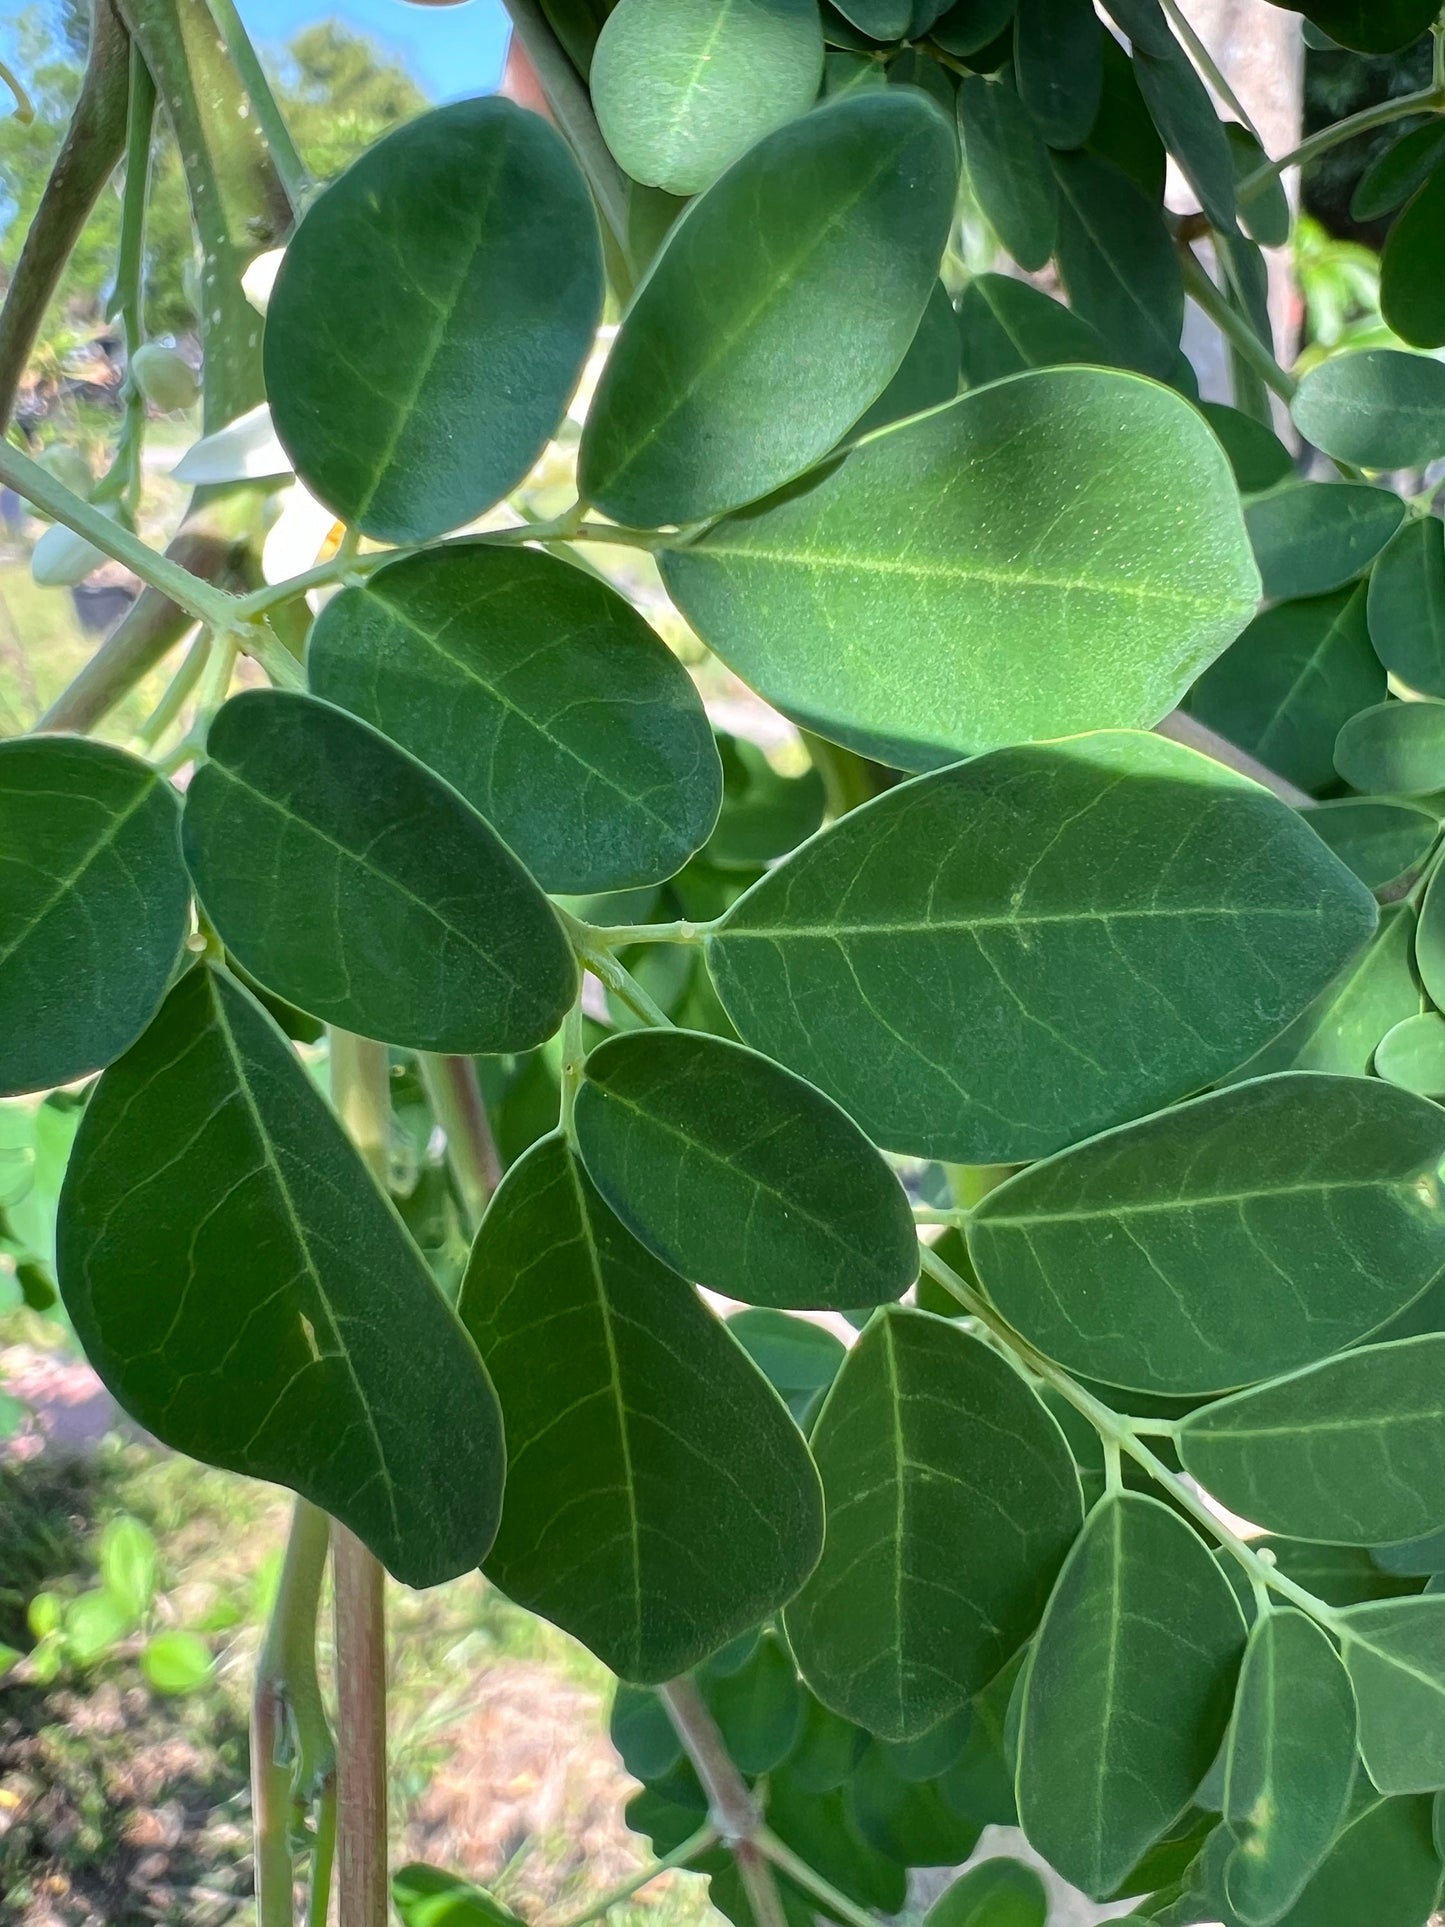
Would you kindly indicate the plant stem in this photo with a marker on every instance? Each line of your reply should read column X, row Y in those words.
column 1236, row 331
column 732, row 1808
column 1429, row 100
column 1208, row 66
column 574, row 1056
column 569, row 102
column 457, row 1104
column 614, row 936
column 295, row 176
column 691, row 1849
column 625, row 987
column 177, row 691
column 798, row 1869
column 1180, row 727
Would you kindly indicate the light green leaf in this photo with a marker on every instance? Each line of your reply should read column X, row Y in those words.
column 356, row 884
column 1128, row 1692
column 1412, row 1054
column 1012, row 566
column 1007, row 327
column 1351, row 1451
column 1287, row 687
column 951, row 1501
column 1226, row 1241
column 1311, row 537
column 997, row 1893
column 176, row 1662
column 1383, row 843
column 265, row 1311
column 1430, row 940
column 681, row 88
column 779, row 309
column 1407, row 605
column 1375, row 408
column 431, row 319
column 129, row 1565
column 1395, row 1652
column 741, row 1176
column 1121, row 920
column 659, row 1499
column 1394, row 749
column 427, row 1897
column 1118, row 263
column 93, row 905
column 94, row 1624
column 1059, row 59
column 1008, row 168
column 542, row 696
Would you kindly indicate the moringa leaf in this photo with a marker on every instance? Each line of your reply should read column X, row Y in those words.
column 1407, row 605
column 928, row 373
column 740, row 1176
column 1266, row 216
column 1395, row 1652
column 659, row 1499
column 542, row 696
column 1412, row 1054
column 759, row 1708
column 1008, row 169
column 1007, row 327
column 951, row 1501
column 1383, row 843
column 996, row 576
column 1375, row 408
column 1225, row 1241
column 1412, row 298
column 1180, row 107
column 681, row 88
column 245, row 1291
column 1369, row 26
column 431, row 318
column 1256, row 454
column 996, row 1893
column 1399, row 171
column 906, row 1819
column 1074, row 900
column 94, row 906
column 1118, row 263
column 1351, row 1451
column 780, row 307
column 969, row 26
column 1311, row 537
column 1128, row 1692
column 1058, row 56
column 356, row 884
column 1430, row 940
column 1394, row 749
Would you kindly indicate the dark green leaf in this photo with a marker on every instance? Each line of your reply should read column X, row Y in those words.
column 1256, row 454
column 1073, row 899
column 643, row 1734
column 879, row 19
column 1394, row 749
column 1128, row 1692
column 1124, row 132
column 1059, row 60
column 1143, row 21
column 265, row 1311
column 1119, row 262
column 1407, row 606
column 997, row 1893
column 912, row 67
column 1397, row 173
column 951, row 1501
column 1008, row 169
column 933, row 1752
column 905, row 1819
column 1230, row 1239
column 659, row 1499
column 820, row 1827
column 798, row 1358
column 1376, row 408
column 1266, row 214
column 928, row 374
column 1340, row 1575
column 1413, row 1558
column 1315, row 536
column 1430, row 940
column 1383, row 843
column 759, row 1708
column 1007, row 326
column 980, row 1783
column 541, row 695
column 683, row 87
column 764, row 815
column 1183, row 112
column 358, row 885
column 93, row 906
column 827, row 1751
column 844, row 72
column 962, row 554
column 971, row 25
column 1286, row 688
column 1412, row 290
column 1369, row 26
column 1395, row 1650
column 780, row 308
column 1412, row 1054
column 431, row 319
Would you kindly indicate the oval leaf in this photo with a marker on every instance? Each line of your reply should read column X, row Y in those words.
column 94, row 905
column 1115, row 920
column 431, row 318
column 741, row 1176
column 1395, row 175
column 1008, row 169
column 1412, row 293
column 355, row 884
column 542, row 696
column 1383, row 843
column 1407, row 606
column 1376, row 408
column 1119, row 263
column 1412, row 1054
column 1394, row 749
column 780, row 307
column 1059, row 58
column 1430, row 940
column 265, row 1311
column 1007, row 327
column 951, row 1501
column 1311, row 537
column 659, row 1499
column 1225, row 1241
column 998, row 1893
column 961, row 553
column 1395, row 1652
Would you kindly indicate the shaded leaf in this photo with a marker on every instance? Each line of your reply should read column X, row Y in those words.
column 759, row 1708
column 1407, row 605
column 1396, row 173
column 997, row 1893
column 1412, row 294
column 1394, row 749
column 906, row 1819
column 1183, row 112
column 1119, row 263
column 1395, row 1652
column 1376, row 408
column 1059, row 61
column 1412, row 1054
column 1310, row 537
column 928, row 373
column 1256, row 454
column 1008, row 169
column 1007, row 326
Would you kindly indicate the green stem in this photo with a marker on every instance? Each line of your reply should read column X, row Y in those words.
column 455, row 1094
column 797, row 1869
column 123, row 481
column 615, row 936
column 691, row 1849
column 569, row 101
column 574, row 1056
column 1429, row 100
column 178, row 690
column 625, row 987
column 1236, row 331
column 24, row 108
column 296, row 177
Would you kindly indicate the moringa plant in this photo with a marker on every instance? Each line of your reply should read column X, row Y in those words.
column 1069, row 1027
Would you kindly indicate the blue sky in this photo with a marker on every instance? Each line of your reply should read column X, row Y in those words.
column 450, row 51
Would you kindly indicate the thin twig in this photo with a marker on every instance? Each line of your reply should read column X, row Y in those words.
column 691, row 1849
column 1236, row 331
column 732, row 1809
column 457, row 1103
column 296, row 177
column 1429, row 100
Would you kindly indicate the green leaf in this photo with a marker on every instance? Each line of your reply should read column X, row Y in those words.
column 426, row 1897
column 1075, row 900
column 1008, row 169
column 542, row 696
column 1369, row 26
column 1179, row 103
column 681, row 88
column 1124, row 133
column 355, row 883
column 879, row 19
column 928, row 373
column 1290, row 683
column 1059, row 60
column 827, row 1751
column 1128, row 1693
column 821, row 1828
column 759, row 1708
column 906, row 1820
column 982, row 606
column 1351, row 1451
column 997, row 1893
column 1412, row 1054
column 1395, row 1652
column 271, row 1316
column 1226, row 1241
column 764, row 815
column 1256, row 454
column 1407, row 605
column 799, row 1359
column 1430, row 940
column 643, row 1734
column 741, row 1176
column 1418, row 1558
column 129, row 1565
column 932, row 1753
column 1412, row 295
column 431, row 319
column 1311, row 537
column 951, row 1502
column 1266, row 215
column 1376, row 408
column 779, row 309
column 659, row 1499
column 971, row 25
column 1394, row 175
column 1340, row 1575
column 176, row 1662
column 93, row 906
column 1119, row 263
column 1394, row 749
column 1007, row 327
column 93, row 1626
